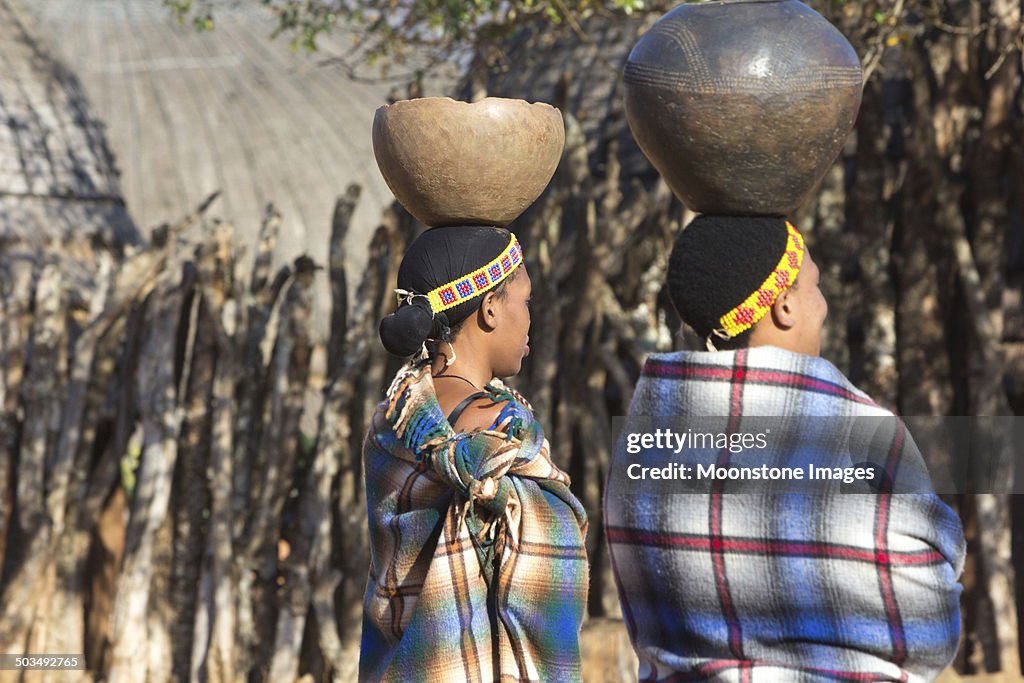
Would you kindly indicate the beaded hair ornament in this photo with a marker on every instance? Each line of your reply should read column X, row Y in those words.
column 466, row 287
column 757, row 305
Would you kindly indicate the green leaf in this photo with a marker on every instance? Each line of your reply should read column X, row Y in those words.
column 129, row 466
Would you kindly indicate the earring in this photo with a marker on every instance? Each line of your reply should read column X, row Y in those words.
column 721, row 334
column 449, row 361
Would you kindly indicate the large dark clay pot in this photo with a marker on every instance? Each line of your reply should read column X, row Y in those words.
column 742, row 105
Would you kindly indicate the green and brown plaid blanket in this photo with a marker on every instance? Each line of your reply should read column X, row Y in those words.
column 478, row 568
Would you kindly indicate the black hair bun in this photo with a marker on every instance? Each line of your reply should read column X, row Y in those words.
column 404, row 331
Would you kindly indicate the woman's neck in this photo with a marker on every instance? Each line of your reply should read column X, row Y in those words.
column 466, row 367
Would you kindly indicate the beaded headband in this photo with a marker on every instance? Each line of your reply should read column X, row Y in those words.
column 748, row 313
column 465, row 287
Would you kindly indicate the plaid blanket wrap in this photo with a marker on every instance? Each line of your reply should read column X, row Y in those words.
column 478, row 566
column 750, row 587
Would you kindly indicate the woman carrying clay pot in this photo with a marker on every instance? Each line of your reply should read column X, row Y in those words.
column 478, row 567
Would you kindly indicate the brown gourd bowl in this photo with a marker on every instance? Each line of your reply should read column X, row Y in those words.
column 460, row 163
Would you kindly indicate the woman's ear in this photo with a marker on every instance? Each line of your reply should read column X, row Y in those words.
column 488, row 313
column 784, row 310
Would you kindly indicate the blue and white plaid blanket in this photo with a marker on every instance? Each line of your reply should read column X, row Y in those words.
column 773, row 587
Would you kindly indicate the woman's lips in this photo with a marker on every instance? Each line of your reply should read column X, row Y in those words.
column 526, row 348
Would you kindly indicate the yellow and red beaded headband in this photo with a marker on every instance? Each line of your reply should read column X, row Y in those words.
column 466, row 287
column 748, row 313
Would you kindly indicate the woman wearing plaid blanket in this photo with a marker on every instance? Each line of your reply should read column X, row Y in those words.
column 767, row 587
column 478, row 567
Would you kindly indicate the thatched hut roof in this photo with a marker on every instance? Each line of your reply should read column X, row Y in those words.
column 57, row 175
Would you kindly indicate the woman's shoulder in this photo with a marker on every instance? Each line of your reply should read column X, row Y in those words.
column 499, row 408
column 479, row 412
column 412, row 400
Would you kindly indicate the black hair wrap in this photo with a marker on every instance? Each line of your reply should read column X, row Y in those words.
column 438, row 256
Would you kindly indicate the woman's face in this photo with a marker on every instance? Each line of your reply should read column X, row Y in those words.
column 514, row 328
column 812, row 307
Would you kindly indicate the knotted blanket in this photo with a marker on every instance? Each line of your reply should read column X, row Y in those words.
column 478, row 566
column 769, row 587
